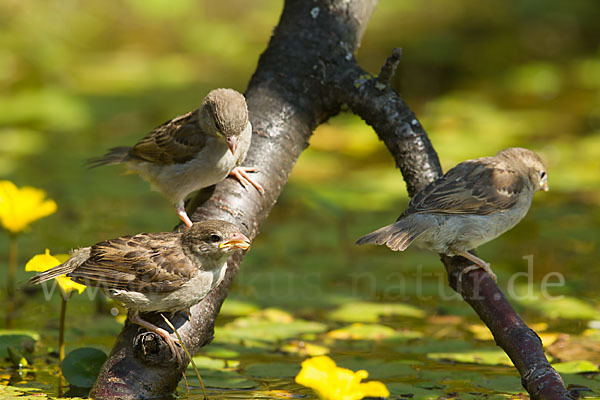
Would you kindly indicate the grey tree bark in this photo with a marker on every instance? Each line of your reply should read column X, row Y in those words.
column 304, row 77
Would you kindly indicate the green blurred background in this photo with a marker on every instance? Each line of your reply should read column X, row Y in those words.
column 77, row 78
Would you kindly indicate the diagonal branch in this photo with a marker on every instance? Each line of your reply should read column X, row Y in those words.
column 303, row 78
column 397, row 126
column 287, row 99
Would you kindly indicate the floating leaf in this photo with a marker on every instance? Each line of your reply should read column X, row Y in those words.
column 379, row 369
column 360, row 331
column 273, row 370
column 480, row 331
column 303, row 348
column 223, row 380
column 17, row 358
column 549, row 338
column 491, row 356
column 236, row 308
column 370, row 312
column 81, row 366
column 203, row 362
column 575, row 367
column 270, row 325
column 17, row 339
column 564, row 307
column 413, row 392
column 435, row 346
column 221, row 352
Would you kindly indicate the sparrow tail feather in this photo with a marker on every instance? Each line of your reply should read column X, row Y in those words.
column 116, row 155
column 52, row 273
column 397, row 236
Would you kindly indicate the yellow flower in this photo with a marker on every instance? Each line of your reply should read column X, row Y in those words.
column 43, row 262
column 333, row 383
column 20, row 207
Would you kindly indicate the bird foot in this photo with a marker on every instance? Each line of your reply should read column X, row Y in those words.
column 183, row 215
column 241, row 174
column 487, row 268
column 171, row 341
column 478, row 263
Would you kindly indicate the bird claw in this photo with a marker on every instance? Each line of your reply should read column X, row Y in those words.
column 184, row 217
column 241, row 174
column 486, row 267
column 478, row 263
column 172, row 343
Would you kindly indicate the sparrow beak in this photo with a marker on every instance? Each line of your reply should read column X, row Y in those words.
column 545, row 187
column 237, row 241
column 232, row 143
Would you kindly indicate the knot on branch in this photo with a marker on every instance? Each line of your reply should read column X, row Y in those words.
column 151, row 349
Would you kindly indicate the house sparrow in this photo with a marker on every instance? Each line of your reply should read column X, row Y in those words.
column 155, row 272
column 471, row 204
column 192, row 151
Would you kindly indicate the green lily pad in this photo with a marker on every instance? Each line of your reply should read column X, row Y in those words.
column 17, row 358
column 221, row 352
column 379, row 369
column 504, row 384
column 370, row 312
column 16, row 339
column 222, row 380
column 485, row 356
column 360, row 331
column 406, row 391
column 273, row 370
column 267, row 329
column 575, row 367
column 203, row 362
column 81, row 366
column 434, row 346
column 304, row 349
column 564, row 307
column 235, row 308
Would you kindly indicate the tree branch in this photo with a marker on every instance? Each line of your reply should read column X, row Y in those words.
column 286, row 99
column 305, row 75
column 406, row 139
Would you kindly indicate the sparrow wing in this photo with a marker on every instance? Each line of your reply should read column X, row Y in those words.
column 482, row 186
column 143, row 263
column 174, row 142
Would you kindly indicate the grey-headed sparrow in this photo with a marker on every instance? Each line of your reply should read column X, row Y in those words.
column 192, row 151
column 155, row 272
column 471, row 204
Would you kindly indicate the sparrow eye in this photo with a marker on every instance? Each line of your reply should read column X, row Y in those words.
column 215, row 238
column 542, row 174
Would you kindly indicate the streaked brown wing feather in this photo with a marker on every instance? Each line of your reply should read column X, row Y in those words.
column 483, row 186
column 143, row 263
column 175, row 141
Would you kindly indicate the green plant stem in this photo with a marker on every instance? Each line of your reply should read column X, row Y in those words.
column 187, row 353
column 10, row 279
column 61, row 330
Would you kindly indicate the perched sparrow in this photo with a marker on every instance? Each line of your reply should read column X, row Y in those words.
column 473, row 203
column 192, row 151
column 155, row 272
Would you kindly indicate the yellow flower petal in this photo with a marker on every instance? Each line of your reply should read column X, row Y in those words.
column 331, row 382
column 67, row 285
column 20, row 207
column 43, row 262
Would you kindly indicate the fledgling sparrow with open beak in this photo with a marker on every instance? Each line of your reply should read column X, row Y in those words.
column 192, row 151
column 155, row 272
column 471, row 204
